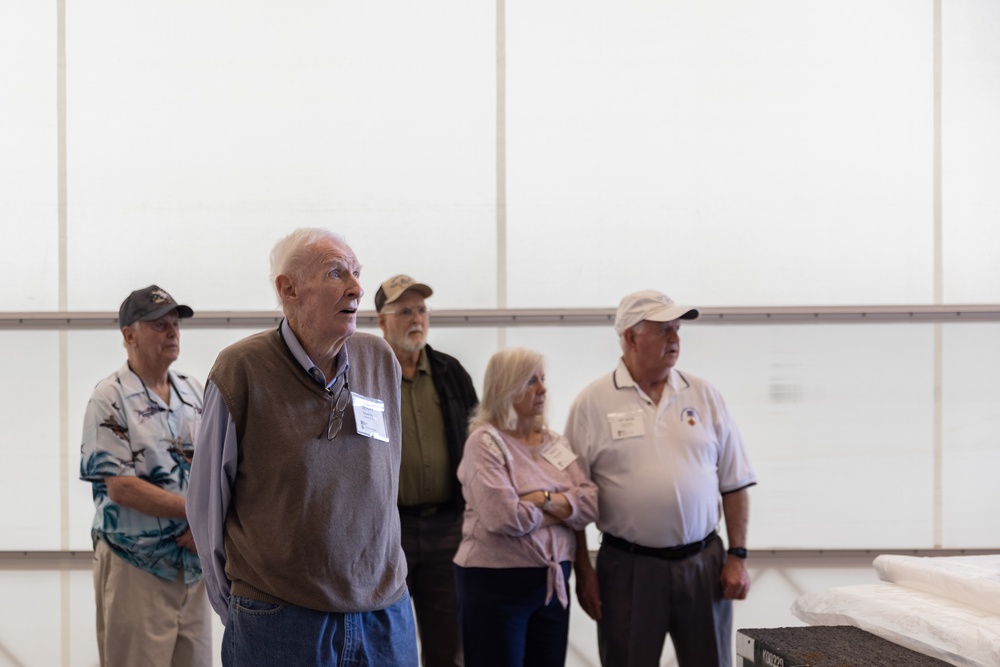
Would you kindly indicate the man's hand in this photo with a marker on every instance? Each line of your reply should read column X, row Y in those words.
column 186, row 540
column 735, row 579
column 588, row 593
column 145, row 497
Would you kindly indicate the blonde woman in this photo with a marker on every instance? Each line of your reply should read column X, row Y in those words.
column 526, row 495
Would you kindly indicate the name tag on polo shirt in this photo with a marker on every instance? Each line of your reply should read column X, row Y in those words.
column 369, row 415
column 558, row 453
column 626, row 425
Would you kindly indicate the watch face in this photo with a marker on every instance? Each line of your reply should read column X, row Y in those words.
column 739, row 552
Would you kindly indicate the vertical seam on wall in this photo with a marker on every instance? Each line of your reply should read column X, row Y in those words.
column 64, row 593
column 61, row 195
column 938, row 286
column 501, row 56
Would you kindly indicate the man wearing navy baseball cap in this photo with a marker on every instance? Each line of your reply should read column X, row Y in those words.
column 138, row 442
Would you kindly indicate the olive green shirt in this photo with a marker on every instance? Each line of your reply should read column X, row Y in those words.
column 425, row 468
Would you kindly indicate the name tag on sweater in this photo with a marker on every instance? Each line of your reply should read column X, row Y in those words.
column 369, row 414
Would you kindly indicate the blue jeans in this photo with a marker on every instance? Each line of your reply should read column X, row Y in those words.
column 505, row 621
column 260, row 634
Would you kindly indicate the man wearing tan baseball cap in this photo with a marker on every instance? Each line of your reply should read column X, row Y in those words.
column 437, row 398
column 662, row 448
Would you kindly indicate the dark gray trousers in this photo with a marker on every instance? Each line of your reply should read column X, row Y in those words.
column 430, row 542
column 643, row 599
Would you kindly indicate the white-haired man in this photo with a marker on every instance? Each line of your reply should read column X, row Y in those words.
column 293, row 493
column 662, row 448
column 437, row 400
column 138, row 439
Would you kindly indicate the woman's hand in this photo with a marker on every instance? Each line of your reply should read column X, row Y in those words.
column 558, row 508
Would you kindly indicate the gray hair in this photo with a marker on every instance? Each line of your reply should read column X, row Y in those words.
column 634, row 328
column 506, row 380
column 291, row 253
column 135, row 329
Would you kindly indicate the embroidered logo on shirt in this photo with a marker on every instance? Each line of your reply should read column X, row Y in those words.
column 691, row 416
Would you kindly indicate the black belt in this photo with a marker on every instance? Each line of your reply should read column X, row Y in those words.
column 428, row 509
column 665, row 553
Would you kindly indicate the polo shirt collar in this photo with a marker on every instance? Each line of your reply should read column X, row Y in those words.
column 623, row 379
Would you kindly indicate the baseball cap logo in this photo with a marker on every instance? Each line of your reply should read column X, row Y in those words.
column 159, row 296
column 400, row 281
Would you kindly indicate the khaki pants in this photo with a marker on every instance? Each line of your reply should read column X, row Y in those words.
column 145, row 620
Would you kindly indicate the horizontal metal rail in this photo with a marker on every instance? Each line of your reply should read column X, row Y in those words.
column 45, row 560
column 539, row 317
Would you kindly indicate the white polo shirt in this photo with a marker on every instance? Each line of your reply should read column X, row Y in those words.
column 660, row 469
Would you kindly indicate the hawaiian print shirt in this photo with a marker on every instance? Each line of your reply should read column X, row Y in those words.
column 129, row 431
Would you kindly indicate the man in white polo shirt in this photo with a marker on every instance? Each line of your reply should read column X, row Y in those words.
column 662, row 448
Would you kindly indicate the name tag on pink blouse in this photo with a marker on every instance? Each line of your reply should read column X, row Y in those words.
column 558, row 453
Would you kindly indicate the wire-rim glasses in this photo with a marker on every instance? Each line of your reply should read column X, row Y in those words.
column 408, row 313
column 337, row 410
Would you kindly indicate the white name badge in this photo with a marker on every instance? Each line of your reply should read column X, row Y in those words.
column 626, row 425
column 369, row 414
column 558, row 453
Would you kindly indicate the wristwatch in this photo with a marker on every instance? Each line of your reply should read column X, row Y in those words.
column 739, row 552
column 548, row 501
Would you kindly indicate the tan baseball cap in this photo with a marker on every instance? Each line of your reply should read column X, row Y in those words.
column 650, row 305
column 394, row 287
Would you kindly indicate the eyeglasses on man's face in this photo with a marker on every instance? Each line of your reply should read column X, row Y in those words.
column 408, row 313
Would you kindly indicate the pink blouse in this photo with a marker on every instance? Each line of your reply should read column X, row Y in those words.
column 499, row 530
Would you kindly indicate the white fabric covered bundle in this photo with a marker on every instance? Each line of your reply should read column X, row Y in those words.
column 947, row 608
column 970, row 580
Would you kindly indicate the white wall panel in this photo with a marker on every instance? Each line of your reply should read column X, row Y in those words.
column 204, row 131
column 29, row 249
column 745, row 154
column 971, row 436
column 971, row 151
column 30, row 483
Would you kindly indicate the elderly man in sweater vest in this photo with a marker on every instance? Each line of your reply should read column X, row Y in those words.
column 293, row 493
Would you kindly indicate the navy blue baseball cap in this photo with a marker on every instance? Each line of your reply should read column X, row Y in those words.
column 150, row 303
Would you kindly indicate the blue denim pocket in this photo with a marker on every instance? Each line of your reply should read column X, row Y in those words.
column 255, row 607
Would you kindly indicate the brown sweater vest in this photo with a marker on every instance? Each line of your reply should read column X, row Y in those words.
column 312, row 522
